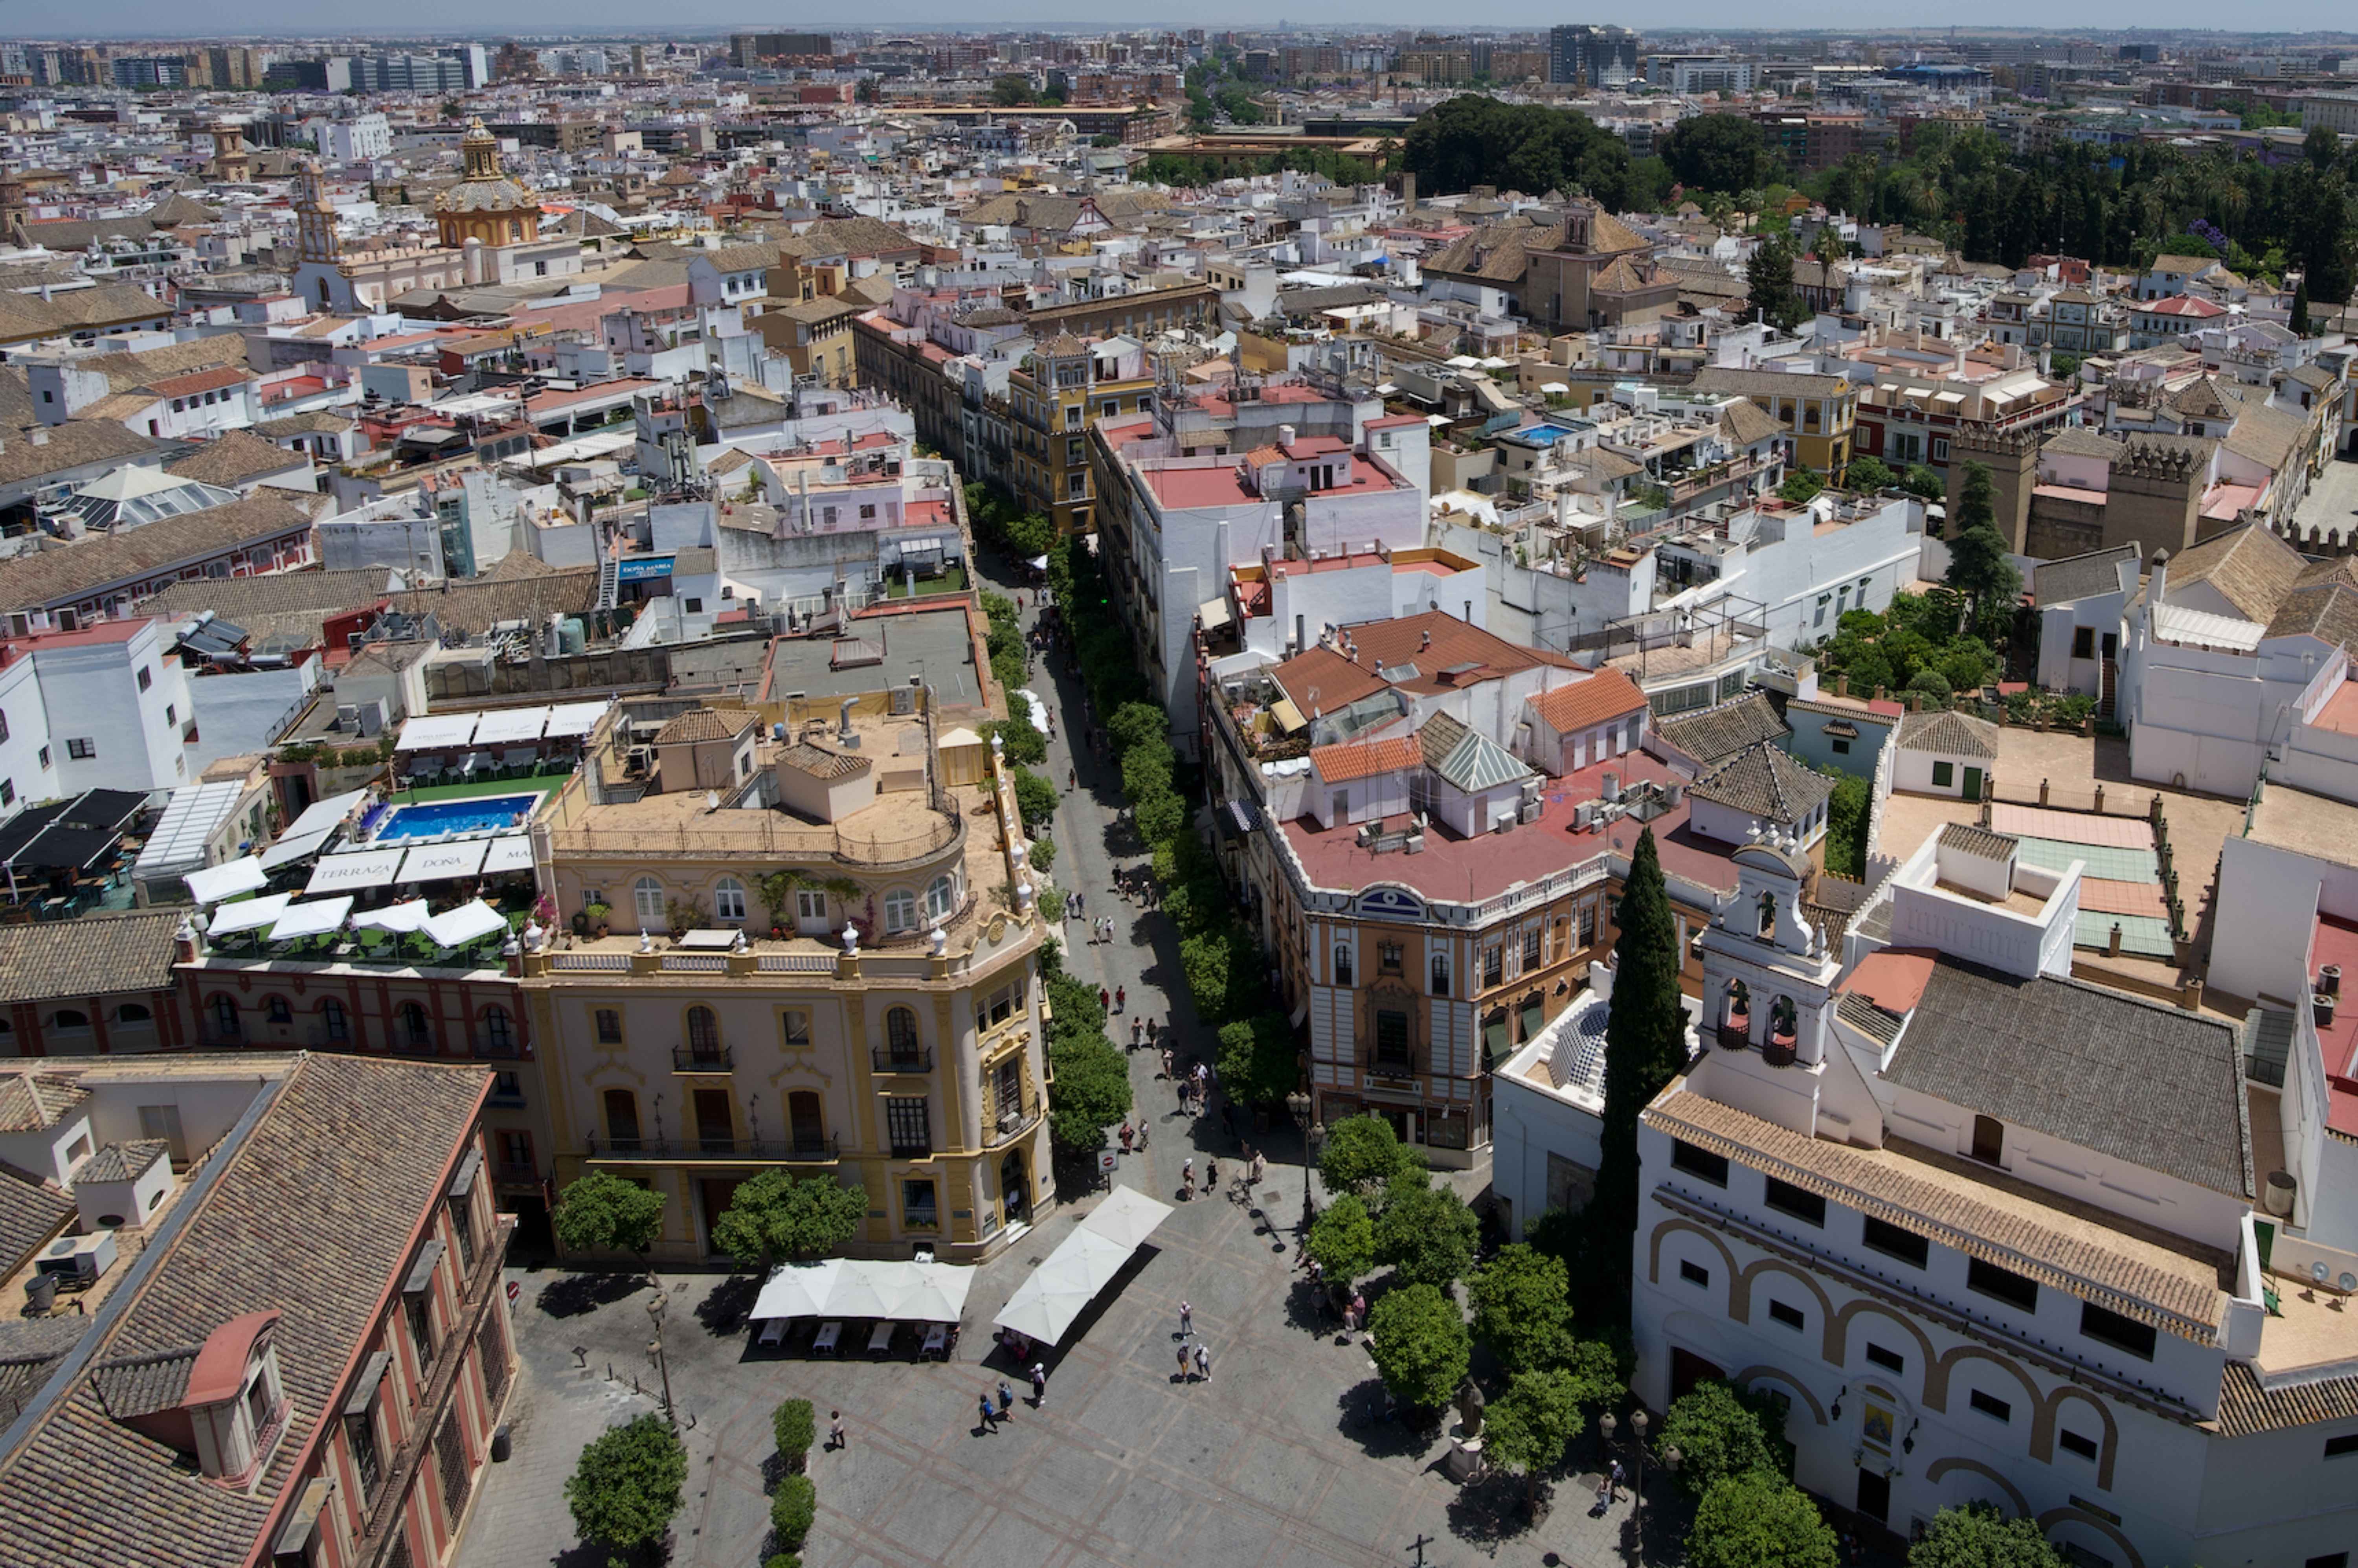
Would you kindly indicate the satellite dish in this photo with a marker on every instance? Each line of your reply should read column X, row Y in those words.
column 2318, row 1270
column 2349, row 1281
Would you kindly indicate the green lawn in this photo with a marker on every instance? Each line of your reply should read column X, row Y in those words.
column 951, row 581
column 539, row 784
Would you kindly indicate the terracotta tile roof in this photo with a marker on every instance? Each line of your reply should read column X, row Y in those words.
column 1364, row 759
column 822, row 763
column 1455, row 645
column 61, row 577
column 120, row 1162
column 96, row 955
column 1583, row 705
column 1714, row 733
column 703, row 724
column 75, row 444
column 1762, row 780
column 30, row 1101
column 2251, row 568
column 228, row 460
column 314, row 1215
column 2245, row 1406
column 1983, row 1213
column 1948, row 734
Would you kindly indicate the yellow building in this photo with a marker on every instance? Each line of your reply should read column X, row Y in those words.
column 1067, row 385
column 486, row 204
column 1819, row 412
column 838, row 974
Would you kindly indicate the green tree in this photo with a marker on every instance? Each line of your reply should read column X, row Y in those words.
column 773, row 1216
column 1760, row 1520
column 1035, row 797
column 1800, row 487
column 1426, row 1233
column 1846, row 822
column 1522, row 1308
column 1091, row 1092
column 1421, row 1350
column 1257, row 1061
column 1720, row 1431
column 1362, row 1155
column 1932, row 687
column 1768, row 280
column 793, row 1425
column 1134, row 724
column 1012, row 92
column 1724, row 153
column 1024, row 745
column 1029, row 535
column 792, row 1507
column 2299, row 321
column 1979, row 566
column 1532, row 1423
column 627, row 1486
column 1645, row 1047
column 1343, row 1239
column 1160, row 815
column 1868, row 474
column 1978, row 1536
column 602, row 1212
column 1923, row 481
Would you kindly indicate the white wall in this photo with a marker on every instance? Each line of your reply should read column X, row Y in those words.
column 91, row 690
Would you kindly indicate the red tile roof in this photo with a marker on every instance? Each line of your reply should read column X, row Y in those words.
column 1363, row 759
column 1607, row 694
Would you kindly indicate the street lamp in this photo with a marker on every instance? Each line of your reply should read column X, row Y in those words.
column 1669, row 1459
column 655, row 1348
column 1300, row 1106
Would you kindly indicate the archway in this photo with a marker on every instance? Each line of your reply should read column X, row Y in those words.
column 1015, row 1188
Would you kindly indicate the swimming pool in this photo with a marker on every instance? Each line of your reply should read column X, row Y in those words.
column 435, row 818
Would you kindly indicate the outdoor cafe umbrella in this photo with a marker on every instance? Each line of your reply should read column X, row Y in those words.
column 797, row 1290
column 865, row 1291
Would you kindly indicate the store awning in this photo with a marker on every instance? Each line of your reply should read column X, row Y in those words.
column 436, row 732
column 865, row 1288
column 510, row 853
column 1062, row 1288
column 1213, row 614
column 442, row 863
column 1289, row 717
column 348, row 873
column 293, row 846
column 1128, row 1217
column 228, row 879
column 1495, row 1047
column 395, row 917
column 1533, row 1019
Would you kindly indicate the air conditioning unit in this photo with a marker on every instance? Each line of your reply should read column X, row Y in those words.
column 905, row 700
column 1530, row 811
column 84, row 1258
column 1009, row 1120
column 1584, row 817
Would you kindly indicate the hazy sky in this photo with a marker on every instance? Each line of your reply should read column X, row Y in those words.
column 166, row 17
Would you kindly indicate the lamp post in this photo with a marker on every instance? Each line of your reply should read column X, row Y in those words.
column 655, row 1348
column 1299, row 1105
column 1669, row 1459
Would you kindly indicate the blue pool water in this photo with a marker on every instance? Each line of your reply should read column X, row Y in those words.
column 483, row 814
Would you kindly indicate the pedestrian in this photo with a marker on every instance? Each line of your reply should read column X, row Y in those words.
column 1359, row 1309
column 1081, row 902
column 1166, row 1060
column 1072, row 780
column 1137, row 1027
column 989, row 1412
column 1613, row 1481
column 1182, row 1364
column 1259, row 1167
column 1006, row 1399
column 1105, row 999
column 1211, row 1173
column 1018, row 604
column 1120, row 998
column 1039, row 1385
column 1186, row 1315
column 1203, row 1361
column 1142, row 1125
column 835, row 1438
column 1187, row 1177
column 1127, row 1134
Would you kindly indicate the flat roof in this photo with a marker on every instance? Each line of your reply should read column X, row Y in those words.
column 934, row 644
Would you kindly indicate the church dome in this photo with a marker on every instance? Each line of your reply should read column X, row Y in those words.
column 486, row 189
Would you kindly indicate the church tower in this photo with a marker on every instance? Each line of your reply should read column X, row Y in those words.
column 314, row 221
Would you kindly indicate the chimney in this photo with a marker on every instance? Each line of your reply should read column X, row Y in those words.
column 1424, row 640
column 1301, row 628
column 1408, row 192
column 845, row 735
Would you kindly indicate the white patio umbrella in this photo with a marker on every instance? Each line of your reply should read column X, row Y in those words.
column 864, row 1290
column 1061, row 1289
column 937, row 1292
column 797, row 1290
column 1127, row 1217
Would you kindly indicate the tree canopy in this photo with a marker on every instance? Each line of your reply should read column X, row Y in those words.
column 627, row 1486
column 1521, row 1308
column 773, row 1216
column 1726, row 153
column 1473, row 140
column 1343, row 1239
column 1426, row 1233
column 1720, row 1431
column 1363, row 1154
column 1091, row 1092
column 1980, row 563
column 1421, row 1350
column 1978, row 1536
column 1760, row 1520
column 602, row 1212
column 1532, row 1423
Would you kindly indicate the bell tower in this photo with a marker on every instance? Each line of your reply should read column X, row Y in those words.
column 1768, row 977
column 314, row 221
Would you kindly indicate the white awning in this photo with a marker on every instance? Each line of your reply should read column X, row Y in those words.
column 346, row 873
column 1061, row 1289
column 862, row 1288
column 316, row 919
column 227, row 879
column 324, row 816
column 508, row 726
column 455, row 927
column 796, row 1290
column 441, row 862
column 574, row 718
column 1214, row 613
column 292, row 847
column 436, row 732
column 397, row 918
column 248, row 913
column 511, row 852
column 1128, row 1217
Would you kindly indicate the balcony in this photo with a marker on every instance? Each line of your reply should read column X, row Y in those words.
column 790, row 1150
column 888, row 1060
column 703, row 1059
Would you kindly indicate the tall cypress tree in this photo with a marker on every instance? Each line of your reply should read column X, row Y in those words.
column 1645, row 1047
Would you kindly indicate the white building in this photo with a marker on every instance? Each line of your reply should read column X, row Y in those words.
column 1990, row 1232
column 103, row 708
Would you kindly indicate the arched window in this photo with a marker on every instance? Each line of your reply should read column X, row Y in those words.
column 498, row 1033
column 515, row 229
column 941, row 898
column 133, row 1015
column 900, row 1035
column 1782, row 1017
column 1739, row 1003
column 1767, row 914
column 276, row 1009
column 703, row 1034
column 332, row 1024
column 416, row 1033
column 226, row 1020
column 900, row 910
column 72, row 1020
column 623, row 1120
column 729, row 899
column 647, row 903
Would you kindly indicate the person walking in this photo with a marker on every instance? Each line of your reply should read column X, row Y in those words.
column 1186, row 1320
column 1203, row 1361
column 1260, row 1169
column 835, row 1438
column 1211, row 1173
column 1072, row 780
column 1120, row 998
column 1039, row 1385
column 1136, row 1028
column 1182, row 1364
column 1166, row 1062
column 1127, row 1134
column 1006, row 1399
column 989, row 1412
column 1105, row 999
column 1187, row 1180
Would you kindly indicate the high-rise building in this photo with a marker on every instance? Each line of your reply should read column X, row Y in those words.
column 748, row 49
column 151, row 70
column 1586, row 54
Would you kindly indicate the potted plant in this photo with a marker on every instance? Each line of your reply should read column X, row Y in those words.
column 598, row 916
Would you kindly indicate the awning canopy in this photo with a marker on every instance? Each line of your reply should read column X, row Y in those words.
column 1062, row 1288
column 248, row 913
column 1495, row 1047
column 861, row 1288
column 324, row 816
column 395, row 918
column 436, row 732
column 574, row 718
column 227, row 879
column 455, row 927
column 293, row 846
column 442, row 863
column 1213, row 614
column 508, row 726
column 511, row 852
column 347, row 873
column 1128, row 1217
column 316, row 919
